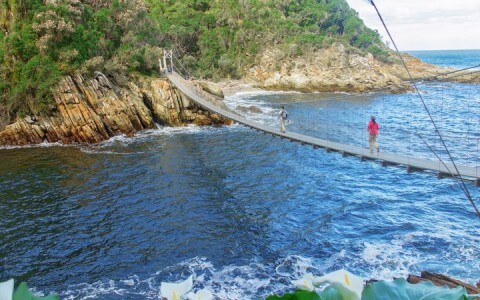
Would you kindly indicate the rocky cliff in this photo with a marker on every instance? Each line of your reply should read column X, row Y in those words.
column 90, row 111
column 334, row 69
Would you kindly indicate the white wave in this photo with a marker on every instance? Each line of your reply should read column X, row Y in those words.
column 294, row 265
column 389, row 260
column 249, row 281
column 344, row 93
column 41, row 145
column 126, row 140
column 267, row 114
column 169, row 131
column 255, row 280
column 105, row 152
column 123, row 140
column 257, row 93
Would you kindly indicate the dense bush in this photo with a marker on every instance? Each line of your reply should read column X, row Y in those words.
column 42, row 40
column 227, row 35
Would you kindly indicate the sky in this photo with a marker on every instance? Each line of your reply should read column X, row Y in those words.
column 425, row 24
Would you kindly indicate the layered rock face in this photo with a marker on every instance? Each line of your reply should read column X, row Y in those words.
column 334, row 69
column 90, row 111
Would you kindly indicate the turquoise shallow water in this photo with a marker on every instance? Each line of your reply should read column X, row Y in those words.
column 242, row 211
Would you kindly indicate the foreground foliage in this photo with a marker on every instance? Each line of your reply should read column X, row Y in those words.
column 398, row 289
column 21, row 293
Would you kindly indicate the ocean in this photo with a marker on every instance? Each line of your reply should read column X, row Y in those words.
column 243, row 212
column 458, row 59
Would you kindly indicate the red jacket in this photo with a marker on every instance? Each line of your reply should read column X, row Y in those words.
column 373, row 128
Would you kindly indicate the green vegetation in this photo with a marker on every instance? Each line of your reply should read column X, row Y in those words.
column 23, row 293
column 43, row 40
column 40, row 41
column 397, row 289
column 225, row 36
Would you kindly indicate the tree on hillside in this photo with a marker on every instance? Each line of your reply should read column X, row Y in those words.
column 42, row 40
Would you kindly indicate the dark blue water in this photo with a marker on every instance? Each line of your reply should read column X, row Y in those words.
column 242, row 211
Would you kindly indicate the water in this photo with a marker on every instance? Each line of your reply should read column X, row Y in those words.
column 449, row 58
column 242, row 211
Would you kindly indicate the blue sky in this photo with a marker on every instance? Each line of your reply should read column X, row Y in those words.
column 425, row 24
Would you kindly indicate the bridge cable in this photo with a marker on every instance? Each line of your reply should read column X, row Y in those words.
column 174, row 56
column 462, row 184
column 450, row 72
column 460, row 75
column 443, row 163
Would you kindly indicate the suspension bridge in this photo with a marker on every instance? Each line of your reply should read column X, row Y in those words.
column 411, row 163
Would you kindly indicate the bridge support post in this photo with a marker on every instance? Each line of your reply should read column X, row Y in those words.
column 477, row 182
column 440, row 175
column 384, row 163
column 161, row 66
column 168, row 55
column 344, row 154
column 409, row 169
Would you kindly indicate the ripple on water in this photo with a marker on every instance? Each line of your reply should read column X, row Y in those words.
column 242, row 211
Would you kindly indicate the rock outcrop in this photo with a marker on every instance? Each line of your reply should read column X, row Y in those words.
column 90, row 111
column 443, row 280
column 334, row 69
column 211, row 88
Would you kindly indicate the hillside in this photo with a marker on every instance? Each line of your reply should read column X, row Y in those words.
column 41, row 41
column 221, row 38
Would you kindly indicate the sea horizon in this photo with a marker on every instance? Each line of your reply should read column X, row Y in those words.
column 459, row 59
column 439, row 50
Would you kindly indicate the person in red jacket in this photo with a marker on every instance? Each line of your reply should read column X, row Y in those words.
column 373, row 132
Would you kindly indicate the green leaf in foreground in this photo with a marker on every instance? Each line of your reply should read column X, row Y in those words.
column 297, row 295
column 330, row 293
column 23, row 293
column 401, row 289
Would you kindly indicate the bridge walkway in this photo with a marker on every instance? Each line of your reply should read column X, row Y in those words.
column 411, row 163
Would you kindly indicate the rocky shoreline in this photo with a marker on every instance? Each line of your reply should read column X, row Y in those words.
column 90, row 111
column 337, row 69
column 443, row 280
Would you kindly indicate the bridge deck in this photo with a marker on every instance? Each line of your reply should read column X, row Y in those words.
column 364, row 153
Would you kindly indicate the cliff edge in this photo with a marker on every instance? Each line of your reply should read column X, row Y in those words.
column 90, row 111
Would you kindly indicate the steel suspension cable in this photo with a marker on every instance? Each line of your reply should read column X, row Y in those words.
column 451, row 72
column 462, row 184
column 459, row 75
column 443, row 163
column 174, row 56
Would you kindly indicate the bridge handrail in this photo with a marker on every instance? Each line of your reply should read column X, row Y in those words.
column 364, row 153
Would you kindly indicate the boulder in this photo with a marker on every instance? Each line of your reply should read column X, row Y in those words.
column 211, row 88
column 249, row 109
column 442, row 280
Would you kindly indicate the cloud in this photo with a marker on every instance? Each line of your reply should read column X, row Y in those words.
column 426, row 24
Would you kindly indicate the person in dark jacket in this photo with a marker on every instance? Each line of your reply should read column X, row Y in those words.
column 282, row 117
